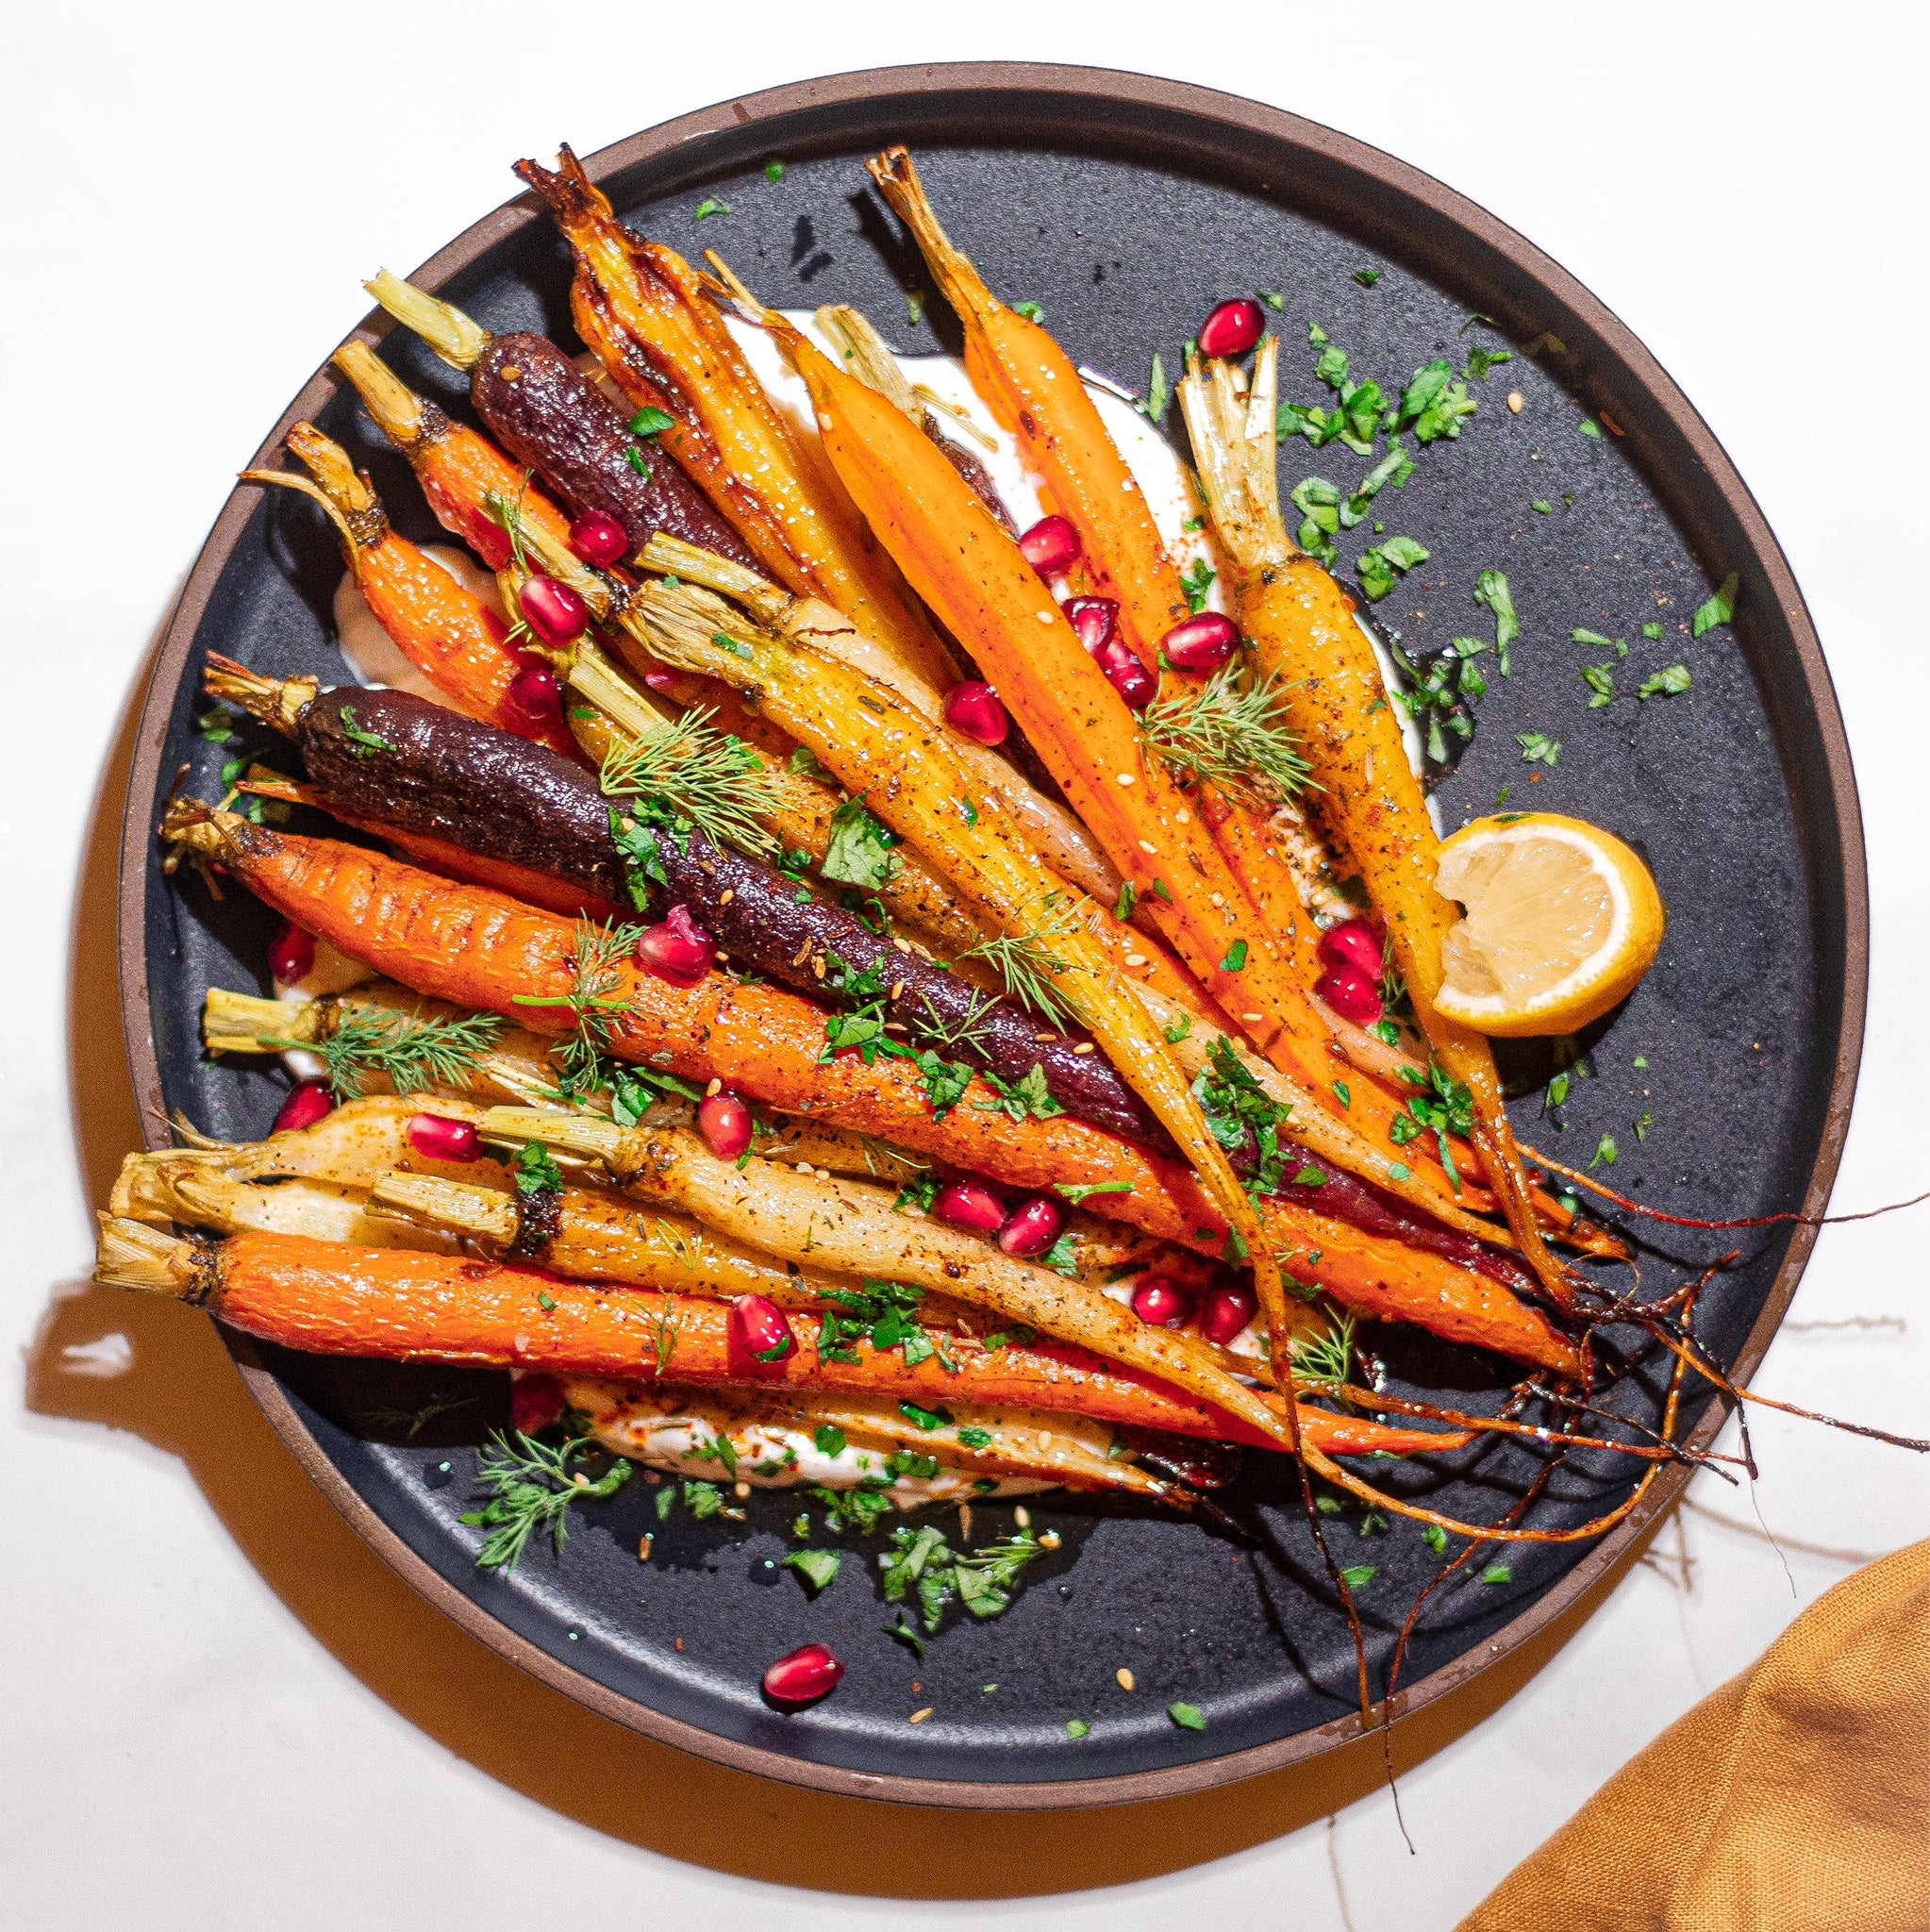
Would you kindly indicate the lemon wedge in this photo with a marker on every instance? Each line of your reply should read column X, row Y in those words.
column 1562, row 920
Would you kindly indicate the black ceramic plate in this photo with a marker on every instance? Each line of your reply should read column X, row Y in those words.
column 1126, row 208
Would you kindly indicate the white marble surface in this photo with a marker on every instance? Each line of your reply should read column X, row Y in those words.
column 219, row 1709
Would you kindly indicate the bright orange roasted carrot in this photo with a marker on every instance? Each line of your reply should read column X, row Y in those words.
column 641, row 308
column 449, row 635
column 1303, row 631
column 328, row 1298
column 1035, row 391
column 478, row 950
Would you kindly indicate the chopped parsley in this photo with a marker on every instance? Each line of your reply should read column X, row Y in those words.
column 710, row 205
column 1358, row 1575
column 1186, row 1716
column 1590, row 427
column 774, row 170
column 1030, row 311
column 536, row 1172
column 1026, row 1099
column 1197, row 580
column 926, row 1418
column 367, row 743
column 1376, row 569
column 1122, row 905
column 1077, row 1726
column 829, row 1439
column 1494, row 592
column 1606, row 1152
column 818, row 1568
column 1076, row 1191
column 1497, row 1573
column 1239, row 1109
column 1236, row 957
column 1435, row 1537
column 651, row 421
column 1537, row 748
column 1600, row 679
column 921, row 1563
column 859, row 852
column 1652, row 632
column 1595, row 639
column 216, row 724
column 1480, row 361
column 1667, row 683
column 1433, row 404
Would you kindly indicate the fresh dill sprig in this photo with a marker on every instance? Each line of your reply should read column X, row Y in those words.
column 1029, row 967
column 1329, row 1357
column 507, row 511
column 1228, row 733
column 686, row 775
column 593, row 1004
column 413, row 1052
column 967, row 1032
column 532, row 1489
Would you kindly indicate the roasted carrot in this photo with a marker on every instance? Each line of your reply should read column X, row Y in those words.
column 543, row 408
column 856, row 1229
column 1305, row 633
column 449, row 635
column 1035, row 391
column 325, row 1298
column 643, row 309
column 883, row 749
column 479, row 950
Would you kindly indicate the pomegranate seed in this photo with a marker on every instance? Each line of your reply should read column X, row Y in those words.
column 436, row 1137
column 535, row 1402
column 1201, row 643
column 680, row 950
column 803, row 1675
column 1033, row 1226
column 1226, row 1311
column 292, row 957
column 758, row 1328
column 1232, row 329
column 1127, row 676
column 1160, row 1302
column 974, row 710
column 535, row 697
column 1051, row 546
column 1094, row 619
column 1355, row 944
column 598, row 539
column 311, row 1102
column 966, row 1205
column 725, row 1122
column 556, row 613
column 1350, row 993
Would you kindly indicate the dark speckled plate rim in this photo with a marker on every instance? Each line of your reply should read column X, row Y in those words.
column 1459, row 245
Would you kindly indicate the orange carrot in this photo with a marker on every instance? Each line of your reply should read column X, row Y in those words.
column 476, row 949
column 1034, row 388
column 444, row 631
column 329, row 1298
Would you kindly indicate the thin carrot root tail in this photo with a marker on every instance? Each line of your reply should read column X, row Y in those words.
column 129, row 1254
column 352, row 544
column 278, row 701
column 724, row 282
column 454, row 336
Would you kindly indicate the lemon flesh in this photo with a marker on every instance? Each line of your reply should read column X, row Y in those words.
column 1561, row 921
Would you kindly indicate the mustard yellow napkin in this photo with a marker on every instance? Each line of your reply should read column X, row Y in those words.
column 1794, row 1799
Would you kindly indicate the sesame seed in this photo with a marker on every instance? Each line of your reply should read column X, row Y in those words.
column 1124, row 1678
column 715, row 1088
column 1253, row 1016
column 725, row 897
column 898, row 991
column 1514, row 401
column 1146, row 845
column 1045, row 616
column 1135, row 958
column 1125, row 778
column 1023, row 1517
column 1217, row 899
column 742, row 1489
column 1045, row 1439
column 903, row 946
column 1184, row 816
column 918, row 1717
column 1085, row 1046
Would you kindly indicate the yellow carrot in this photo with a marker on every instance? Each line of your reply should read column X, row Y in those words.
column 1305, row 632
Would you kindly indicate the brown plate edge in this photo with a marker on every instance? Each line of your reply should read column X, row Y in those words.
column 1655, row 391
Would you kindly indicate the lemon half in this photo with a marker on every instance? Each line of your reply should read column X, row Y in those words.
column 1562, row 920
